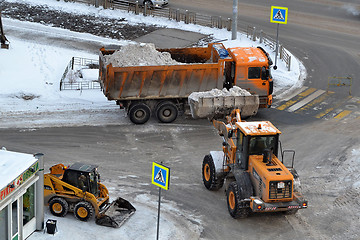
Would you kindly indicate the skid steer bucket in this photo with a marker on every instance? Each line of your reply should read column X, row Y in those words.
column 216, row 104
column 116, row 213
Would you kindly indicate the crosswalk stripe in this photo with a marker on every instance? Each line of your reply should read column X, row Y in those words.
column 320, row 115
column 299, row 96
column 305, row 100
column 313, row 103
column 295, row 93
column 342, row 114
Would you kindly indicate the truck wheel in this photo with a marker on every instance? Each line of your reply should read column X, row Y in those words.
column 83, row 211
column 210, row 180
column 166, row 112
column 58, row 207
column 139, row 113
column 235, row 207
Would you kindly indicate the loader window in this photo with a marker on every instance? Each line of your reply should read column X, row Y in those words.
column 93, row 183
column 258, row 144
column 254, row 72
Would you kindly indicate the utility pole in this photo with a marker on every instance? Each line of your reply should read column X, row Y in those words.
column 234, row 20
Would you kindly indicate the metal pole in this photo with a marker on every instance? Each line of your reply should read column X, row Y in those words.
column 277, row 45
column 158, row 220
column 234, row 20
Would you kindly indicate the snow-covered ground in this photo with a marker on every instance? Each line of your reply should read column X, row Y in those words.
column 30, row 75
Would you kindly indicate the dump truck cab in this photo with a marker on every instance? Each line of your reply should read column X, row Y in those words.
column 251, row 71
column 255, row 179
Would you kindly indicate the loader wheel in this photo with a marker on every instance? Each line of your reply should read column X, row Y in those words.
column 210, row 180
column 139, row 113
column 83, row 211
column 58, row 207
column 235, row 207
column 166, row 112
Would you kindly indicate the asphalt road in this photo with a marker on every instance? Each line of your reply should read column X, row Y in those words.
column 321, row 33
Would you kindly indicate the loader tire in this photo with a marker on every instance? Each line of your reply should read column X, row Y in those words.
column 166, row 112
column 58, row 207
column 83, row 211
column 211, row 181
column 139, row 113
column 235, row 206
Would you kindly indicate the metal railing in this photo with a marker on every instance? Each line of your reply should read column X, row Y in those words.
column 270, row 42
column 186, row 16
column 73, row 85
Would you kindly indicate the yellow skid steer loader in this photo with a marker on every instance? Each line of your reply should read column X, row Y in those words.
column 78, row 189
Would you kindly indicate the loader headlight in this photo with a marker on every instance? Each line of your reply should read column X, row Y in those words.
column 304, row 205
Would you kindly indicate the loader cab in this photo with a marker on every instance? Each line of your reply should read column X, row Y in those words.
column 83, row 176
column 255, row 138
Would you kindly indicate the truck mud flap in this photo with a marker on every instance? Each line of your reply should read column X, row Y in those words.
column 214, row 107
column 116, row 213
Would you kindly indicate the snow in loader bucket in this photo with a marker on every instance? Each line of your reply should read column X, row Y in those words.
column 217, row 103
column 115, row 214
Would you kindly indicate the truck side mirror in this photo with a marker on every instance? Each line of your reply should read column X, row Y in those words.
column 264, row 73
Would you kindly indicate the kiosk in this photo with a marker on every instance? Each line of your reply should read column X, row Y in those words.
column 21, row 194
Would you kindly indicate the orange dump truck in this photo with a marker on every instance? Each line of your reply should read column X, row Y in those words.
column 163, row 90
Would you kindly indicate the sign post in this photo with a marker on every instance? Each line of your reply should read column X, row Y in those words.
column 279, row 16
column 161, row 178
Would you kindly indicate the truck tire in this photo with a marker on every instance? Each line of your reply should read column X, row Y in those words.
column 58, row 206
column 83, row 211
column 235, row 206
column 139, row 113
column 211, row 181
column 166, row 112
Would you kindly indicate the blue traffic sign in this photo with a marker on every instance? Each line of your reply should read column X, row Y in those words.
column 279, row 15
column 160, row 176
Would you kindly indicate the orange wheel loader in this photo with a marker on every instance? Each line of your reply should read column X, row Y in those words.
column 255, row 179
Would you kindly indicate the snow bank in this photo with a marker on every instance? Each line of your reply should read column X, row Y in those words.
column 143, row 54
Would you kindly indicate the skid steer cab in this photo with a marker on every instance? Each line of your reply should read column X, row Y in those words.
column 254, row 177
column 78, row 189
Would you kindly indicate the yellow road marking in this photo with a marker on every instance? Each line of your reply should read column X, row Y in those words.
column 299, row 97
column 311, row 104
column 320, row 115
column 342, row 114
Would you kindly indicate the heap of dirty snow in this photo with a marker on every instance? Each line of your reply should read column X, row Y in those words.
column 142, row 54
column 234, row 91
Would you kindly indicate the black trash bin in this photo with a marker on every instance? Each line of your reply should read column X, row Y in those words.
column 51, row 226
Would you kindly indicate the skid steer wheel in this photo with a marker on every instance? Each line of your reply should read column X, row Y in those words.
column 139, row 113
column 235, row 207
column 83, row 211
column 210, row 180
column 166, row 112
column 58, row 207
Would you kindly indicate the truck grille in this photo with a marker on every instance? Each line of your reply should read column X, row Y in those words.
column 280, row 189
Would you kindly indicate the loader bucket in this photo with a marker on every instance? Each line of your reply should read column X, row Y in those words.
column 116, row 213
column 211, row 106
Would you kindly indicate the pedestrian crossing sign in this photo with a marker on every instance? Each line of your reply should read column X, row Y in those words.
column 279, row 14
column 160, row 176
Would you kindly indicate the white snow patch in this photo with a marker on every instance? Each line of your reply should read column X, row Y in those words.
column 234, row 91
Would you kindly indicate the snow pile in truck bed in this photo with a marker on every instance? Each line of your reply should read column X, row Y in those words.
column 234, row 91
column 142, row 54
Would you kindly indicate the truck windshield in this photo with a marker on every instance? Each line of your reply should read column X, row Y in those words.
column 258, row 144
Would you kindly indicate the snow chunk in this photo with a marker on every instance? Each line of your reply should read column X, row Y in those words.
column 234, row 91
column 143, row 54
